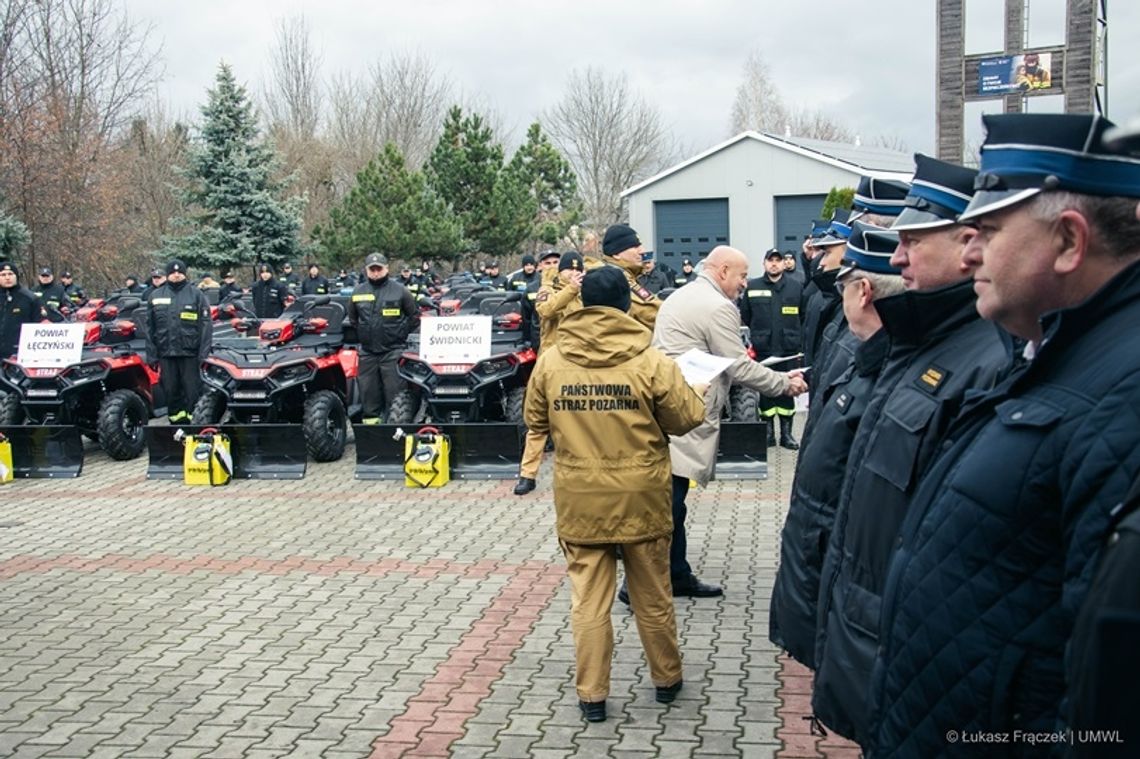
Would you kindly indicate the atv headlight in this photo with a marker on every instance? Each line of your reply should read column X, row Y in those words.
column 13, row 373
column 291, row 375
column 215, row 375
column 93, row 370
column 414, row 369
column 494, row 367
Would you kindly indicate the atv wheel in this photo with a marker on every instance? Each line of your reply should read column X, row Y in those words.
column 122, row 419
column 210, row 408
column 11, row 412
column 743, row 404
column 513, row 405
column 404, row 408
column 325, row 426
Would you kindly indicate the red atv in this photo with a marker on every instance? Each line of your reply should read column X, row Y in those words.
column 110, row 395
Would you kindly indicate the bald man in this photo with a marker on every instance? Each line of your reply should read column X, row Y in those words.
column 703, row 315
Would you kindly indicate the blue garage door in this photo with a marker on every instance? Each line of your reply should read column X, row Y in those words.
column 793, row 218
column 689, row 229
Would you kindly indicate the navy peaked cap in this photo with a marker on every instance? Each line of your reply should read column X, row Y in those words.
column 1025, row 154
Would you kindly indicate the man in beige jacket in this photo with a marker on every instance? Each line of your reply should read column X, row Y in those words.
column 610, row 401
column 703, row 315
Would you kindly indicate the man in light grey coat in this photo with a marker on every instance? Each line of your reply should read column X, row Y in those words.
column 703, row 315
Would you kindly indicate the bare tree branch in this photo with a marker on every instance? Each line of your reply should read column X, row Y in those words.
column 611, row 137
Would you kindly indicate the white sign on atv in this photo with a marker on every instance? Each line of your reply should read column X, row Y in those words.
column 455, row 339
column 48, row 346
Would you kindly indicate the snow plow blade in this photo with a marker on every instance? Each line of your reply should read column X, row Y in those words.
column 260, row 451
column 46, row 451
column 743, row 451
column 479, row 451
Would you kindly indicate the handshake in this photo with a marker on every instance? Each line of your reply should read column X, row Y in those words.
column 797, row 385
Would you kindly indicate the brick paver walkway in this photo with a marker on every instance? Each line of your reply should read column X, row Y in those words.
column 333, row 618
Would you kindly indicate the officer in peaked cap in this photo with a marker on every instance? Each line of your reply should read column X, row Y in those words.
column 1012, row 515
column 865, row 278
column 52, row 296
column 879, row 201
column 821, row 301
column 940, row 352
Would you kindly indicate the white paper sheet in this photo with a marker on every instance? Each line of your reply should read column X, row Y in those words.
column 773, row 360
column 700, row 367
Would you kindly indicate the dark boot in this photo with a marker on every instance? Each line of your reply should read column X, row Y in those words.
column 786, row 439
column 771, row 431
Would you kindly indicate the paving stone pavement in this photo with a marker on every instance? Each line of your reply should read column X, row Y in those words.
column 333, row 618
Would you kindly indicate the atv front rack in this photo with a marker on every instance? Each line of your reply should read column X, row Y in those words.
column 479, row 451
column 742, row 453
column 45, row 451
column 260, row 451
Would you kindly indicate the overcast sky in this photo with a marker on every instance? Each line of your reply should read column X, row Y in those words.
column 868, row 64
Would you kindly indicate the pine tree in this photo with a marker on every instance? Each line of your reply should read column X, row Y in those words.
column 552, row 183
column 393, row 211
column 236, row 217
column 13, row 236
column 463, row 169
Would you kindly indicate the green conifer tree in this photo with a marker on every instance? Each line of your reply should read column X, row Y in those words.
column 393, row 211
column 236, row 217
column 553, row 185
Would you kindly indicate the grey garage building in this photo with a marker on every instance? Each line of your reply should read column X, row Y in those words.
column 753, row 192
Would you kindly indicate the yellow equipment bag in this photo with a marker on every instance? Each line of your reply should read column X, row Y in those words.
column 427, row 459
column 206, row 458
column 7, row 473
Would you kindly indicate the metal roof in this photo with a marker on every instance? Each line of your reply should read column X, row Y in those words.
column 877, row 162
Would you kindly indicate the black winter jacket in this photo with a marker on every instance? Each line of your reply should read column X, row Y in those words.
column 1001, row 539
column 317, row 285
column 177, row 322
column 384, row 315
column 815, row 495
column 821, row 301
column 940, row 350
column 52, row 296
column 268, row 298
column 18, row 306
column 771, row 311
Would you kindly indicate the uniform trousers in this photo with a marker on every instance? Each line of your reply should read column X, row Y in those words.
column 181, row 382
column 532, row 454
column 379, row 383
column 773, row 407
column 593, row 576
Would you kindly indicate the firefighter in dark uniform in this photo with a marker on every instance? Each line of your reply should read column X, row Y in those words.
column 132, row 285
column 493, row 278
column 520, row 280
column 315, row 283
column 686, row 275
column 290, row 278
column 178, row 337
column 771, row 311
column 268, row 294
column 410, row 281
column 652, row 278
column 18, row 306
column 229, row 286
column 384, row 313
column 73, row 291
column 51, row 294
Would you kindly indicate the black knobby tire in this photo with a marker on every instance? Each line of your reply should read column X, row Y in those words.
column 11, row 412
column 122, row 418
column 210, row 408
column 743, row 404
column 325, row 426
column 404, row 407
column 513, row 405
